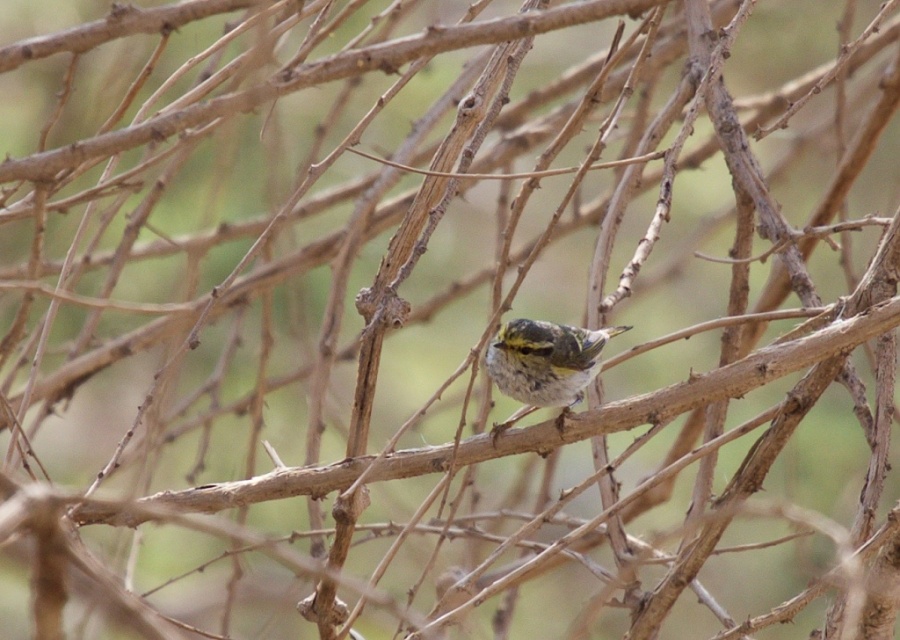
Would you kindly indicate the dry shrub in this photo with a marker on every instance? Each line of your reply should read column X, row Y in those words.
column 252, row 253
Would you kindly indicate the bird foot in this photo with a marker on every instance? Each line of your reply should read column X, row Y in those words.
column 498, row 430
column 561, row 420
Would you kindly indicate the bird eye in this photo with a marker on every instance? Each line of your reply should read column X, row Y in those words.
column 525, row 351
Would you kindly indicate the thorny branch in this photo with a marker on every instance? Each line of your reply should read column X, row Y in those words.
column 185, row 225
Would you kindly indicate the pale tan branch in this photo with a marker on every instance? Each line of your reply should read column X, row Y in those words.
column 732, row 381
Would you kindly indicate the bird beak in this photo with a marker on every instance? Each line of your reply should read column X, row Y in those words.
column 499, row 345
column 614, row 331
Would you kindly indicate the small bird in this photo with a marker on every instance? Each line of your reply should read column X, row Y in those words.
column 544, row 364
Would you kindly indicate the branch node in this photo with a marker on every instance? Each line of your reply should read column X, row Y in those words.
column 348, row 508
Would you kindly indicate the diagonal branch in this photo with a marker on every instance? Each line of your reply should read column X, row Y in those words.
column 732, row 381
column 385, row 57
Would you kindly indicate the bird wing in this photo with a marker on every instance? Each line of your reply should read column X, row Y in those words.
column 578, row 349
column 592, row 343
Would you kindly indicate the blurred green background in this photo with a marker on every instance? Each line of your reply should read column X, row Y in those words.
column 244, row 171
